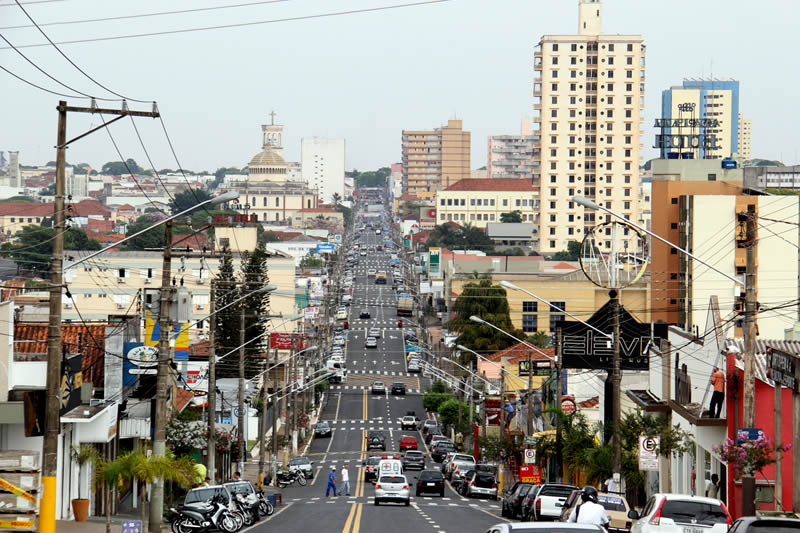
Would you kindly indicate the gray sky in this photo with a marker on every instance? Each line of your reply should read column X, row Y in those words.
column 364, row 77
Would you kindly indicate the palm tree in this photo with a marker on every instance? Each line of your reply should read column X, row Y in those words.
column 337, row 198
column 82, row 455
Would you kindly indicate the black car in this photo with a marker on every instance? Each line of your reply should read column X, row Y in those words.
column 398, row 388
column 526, row 511
column 322, row 429
column 375, row 439
column 512, row 499
column 436, row 430
column 753, row 524
column 364, row 313
column 440, row 449
column 431, row 481
column 414, row 459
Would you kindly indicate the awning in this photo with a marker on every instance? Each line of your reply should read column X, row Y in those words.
column 93, row 423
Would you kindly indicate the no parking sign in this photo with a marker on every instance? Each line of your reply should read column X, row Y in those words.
column 648, row 453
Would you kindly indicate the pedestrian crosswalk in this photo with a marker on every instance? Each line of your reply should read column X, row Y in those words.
column 367, row 387
column 432, row 501
column 383, row 373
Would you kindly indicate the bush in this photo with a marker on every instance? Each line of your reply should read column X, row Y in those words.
column 432, row 400
column 448, row 412
column 439, row 386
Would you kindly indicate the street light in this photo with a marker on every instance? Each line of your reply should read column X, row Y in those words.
column 468, row 370
column 589, row 204
column 499, row 367
column 221, row 199
column 509, row 285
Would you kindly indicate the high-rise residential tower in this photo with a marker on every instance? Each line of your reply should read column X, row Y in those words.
column 589, row 96
column 434, row 160
column 744, row 138
column 708, row 108
column 323, row 166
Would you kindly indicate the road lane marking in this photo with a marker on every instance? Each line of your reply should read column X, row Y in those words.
column 357, row 522
column 316, row 476
column 349, row 520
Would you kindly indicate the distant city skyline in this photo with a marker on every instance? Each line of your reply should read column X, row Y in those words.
column 358, row 77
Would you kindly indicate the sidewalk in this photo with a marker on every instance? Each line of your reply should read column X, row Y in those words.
column 97, row 524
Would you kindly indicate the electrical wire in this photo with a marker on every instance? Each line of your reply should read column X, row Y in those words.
column 238, row 25
column 56, row 93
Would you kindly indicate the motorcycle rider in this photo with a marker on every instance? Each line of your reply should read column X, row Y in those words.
column 589, row 511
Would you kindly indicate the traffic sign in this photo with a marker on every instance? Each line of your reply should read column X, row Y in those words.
column 236, row 412
column 568, row 405
column 326, row 248
column 530, row 457
column 648, row 453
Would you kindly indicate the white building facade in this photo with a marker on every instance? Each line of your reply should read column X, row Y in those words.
column 322, row 162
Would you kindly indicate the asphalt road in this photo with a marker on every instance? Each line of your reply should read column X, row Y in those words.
column 352, row 410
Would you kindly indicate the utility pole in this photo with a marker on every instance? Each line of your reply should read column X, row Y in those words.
column 241, row 417
column 777, row 493
column 616, row 383
column 162, row 380
column 293, row 391
column 47, row 517
column 559, row 456
column 212, row 384
column 530, row 394
column 749, row 400
column 263, row 432
column 666, row 393
column 47, row 508
column 275, row 413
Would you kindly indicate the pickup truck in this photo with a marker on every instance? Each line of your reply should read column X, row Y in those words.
column 380, row 277
column 550, row 500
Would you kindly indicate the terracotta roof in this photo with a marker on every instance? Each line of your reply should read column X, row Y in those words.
column 520, row 351
column 89, row 338
column 492, row 184
column 198, row 241
column 182, row 398
column 318, row 210
column 199, row 349
column 28, row 209
column 126, row 207
column 104, row 237
column 101, row 226
column 407, row 196
column 566, row 266
column 86, row 208
column 285, row 235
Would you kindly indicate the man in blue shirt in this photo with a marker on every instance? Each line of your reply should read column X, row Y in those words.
column 331, row 482
column 509, row 412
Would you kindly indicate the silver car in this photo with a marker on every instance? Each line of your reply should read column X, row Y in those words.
column 392, row 488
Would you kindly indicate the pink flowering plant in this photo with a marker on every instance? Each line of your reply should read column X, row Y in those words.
column 749, row 456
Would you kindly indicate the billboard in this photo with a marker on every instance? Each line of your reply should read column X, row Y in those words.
column 179, row 334
column 427, row 217
column 283, row 341
column 434, row 263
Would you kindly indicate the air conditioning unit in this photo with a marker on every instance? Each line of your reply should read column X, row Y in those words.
column 67, row 306
column 120, row 280
column 148, row 281
column 120, row 306
column 201, row 281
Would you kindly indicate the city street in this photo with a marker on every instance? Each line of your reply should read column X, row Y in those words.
column 353, row 410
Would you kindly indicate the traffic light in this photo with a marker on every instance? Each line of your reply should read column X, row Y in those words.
column 346, row 325
column 399, row 323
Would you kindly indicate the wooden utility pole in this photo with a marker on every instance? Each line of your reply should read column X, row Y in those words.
column 749, row 400
column 212, row 384
column 162, row 380
column 242, row 416
column 47, row 508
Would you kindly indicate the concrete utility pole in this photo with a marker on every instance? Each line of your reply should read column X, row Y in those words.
column 749, row 400
column 666, row 386
column 47, row 507
column 212, row 383
column 293, row 391
column 162, row 380
column 241, row 417
column 262, row 437
column 559, row 457
column 275, row 413
column 616, row 383
column 530, row 394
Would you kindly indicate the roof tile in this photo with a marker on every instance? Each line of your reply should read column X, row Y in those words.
column 493, row 184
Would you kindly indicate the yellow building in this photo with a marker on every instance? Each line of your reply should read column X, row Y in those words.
column 744, row 138
column 589, row 102
column 570, row 291
column 481, row 201
column 120, row 283
column 433, row 160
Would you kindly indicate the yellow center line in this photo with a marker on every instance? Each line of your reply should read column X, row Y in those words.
column 349, row 520
column 316, row 476
column 357, row 522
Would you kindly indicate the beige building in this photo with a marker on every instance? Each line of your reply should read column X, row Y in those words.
column 267, row 191
column 744, row 138
column 434, row 160
column 481, row 201
column 119, row 283
column 589, row 96
column 513, row 156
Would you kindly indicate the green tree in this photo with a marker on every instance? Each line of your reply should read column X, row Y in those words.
column 459, row 238
column 448, row 414
column 33, row 246
column 147, row 240
column 18, row 198
column 187, row 199
column 540, row 339
column 376, row 178
column 347, row 214
column 118, row 168
column 489, row 302
column 572, row 254
column 337, row 198
column 510, row 217
column 432, row 400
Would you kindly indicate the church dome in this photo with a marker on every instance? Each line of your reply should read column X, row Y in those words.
column 267, row 157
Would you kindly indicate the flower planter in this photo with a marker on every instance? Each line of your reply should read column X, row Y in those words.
column 80, row 508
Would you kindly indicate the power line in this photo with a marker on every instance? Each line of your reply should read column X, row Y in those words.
column 142, row 15
column 238, row 25
column 70, row 61
column 56, row 93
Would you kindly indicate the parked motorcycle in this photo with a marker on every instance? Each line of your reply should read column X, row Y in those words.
column 203, row 516
column 265, row 507
column 248, row 507
column 287, row 478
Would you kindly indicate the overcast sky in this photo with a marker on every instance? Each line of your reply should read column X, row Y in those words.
column 366, row 76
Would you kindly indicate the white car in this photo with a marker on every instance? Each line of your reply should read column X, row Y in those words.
column 371, row 272
column 533, row 527
column 374, row 332
column 341, row 314
column 680, row 513
column 392, row 488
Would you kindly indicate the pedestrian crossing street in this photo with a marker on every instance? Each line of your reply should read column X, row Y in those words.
column 431, row 501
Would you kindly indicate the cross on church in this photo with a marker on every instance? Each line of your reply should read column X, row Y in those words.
column 272, row 116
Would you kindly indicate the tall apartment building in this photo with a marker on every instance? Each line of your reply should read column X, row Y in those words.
column 323, row 166
column 513, row 156
column 589, row 95
column 706, row 108
column 744, row 138
column 434, row 160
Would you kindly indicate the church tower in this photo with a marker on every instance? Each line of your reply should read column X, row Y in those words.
column 272, row 135
column 590, row 17
column 268, row 164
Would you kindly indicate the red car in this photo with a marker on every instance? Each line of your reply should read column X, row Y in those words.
column 408, row 443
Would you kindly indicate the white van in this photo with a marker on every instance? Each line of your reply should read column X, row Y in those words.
column 390, row 467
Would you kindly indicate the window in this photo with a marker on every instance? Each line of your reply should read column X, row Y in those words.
column 627, row 205
column 573, row 73
column 554, row 73
column 574, row 47
column 554, row 100
column 529, row 323
column 610, row 87
column 629, row 60
column 630, row 48
column 553, row 152
column 491, row 217
column 556, row 316
column 712, row 177
column 627, row 178
column 552, row 218
column 265, row 201
column 505, row 202
column 491, row 202
column 673, row 201
column 441, row 202
column 627, row 165
column 552, row 205
column 555, row 61
column 610, row 47
column 610, row 60
column 12, row 219
column 277, row 203
column 472, row 216
column 553, row 139
column 121, row 273
column 517, row 202
column 554, row 113
column 629, row 87
column 552, row 231
column 555, row 47
column 472, row 201
column 449, row 201
column 552, row 244
column 610, row 74
column 573, row 60
column 573, row 86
